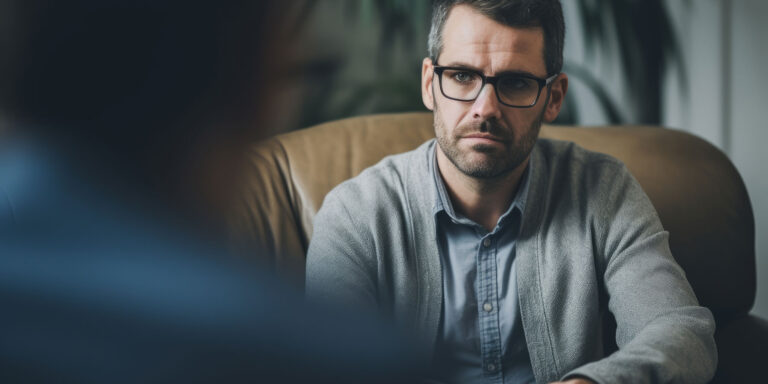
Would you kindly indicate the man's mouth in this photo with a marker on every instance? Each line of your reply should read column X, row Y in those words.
column 483, row 137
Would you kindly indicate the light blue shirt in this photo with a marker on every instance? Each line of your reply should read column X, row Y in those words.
column 481, row 336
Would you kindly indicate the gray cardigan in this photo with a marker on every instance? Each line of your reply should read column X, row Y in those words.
column 590, row 241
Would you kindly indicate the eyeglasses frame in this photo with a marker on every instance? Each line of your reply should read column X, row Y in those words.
column 438, row 70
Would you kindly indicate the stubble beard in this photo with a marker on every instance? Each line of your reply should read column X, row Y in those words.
column 495, row 164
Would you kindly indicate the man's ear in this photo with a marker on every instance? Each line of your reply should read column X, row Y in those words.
column 557, row 92
column 427, row 74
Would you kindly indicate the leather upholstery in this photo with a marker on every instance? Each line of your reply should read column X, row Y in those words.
column 697, row 192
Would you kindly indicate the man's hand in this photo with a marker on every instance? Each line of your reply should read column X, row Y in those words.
column 574, row 381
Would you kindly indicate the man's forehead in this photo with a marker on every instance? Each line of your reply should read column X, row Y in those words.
column 472, row 38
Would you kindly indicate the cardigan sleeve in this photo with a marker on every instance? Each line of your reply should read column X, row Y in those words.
column 341, row 261
column 662, row 333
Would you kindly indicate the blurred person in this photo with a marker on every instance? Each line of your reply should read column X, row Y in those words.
column 124, row 130
column 504, row 250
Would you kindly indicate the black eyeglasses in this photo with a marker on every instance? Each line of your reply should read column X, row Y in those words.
column 512, row 90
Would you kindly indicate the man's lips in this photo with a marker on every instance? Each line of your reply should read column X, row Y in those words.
column 484, row 136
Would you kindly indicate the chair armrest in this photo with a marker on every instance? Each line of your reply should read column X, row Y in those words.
column 742, row 345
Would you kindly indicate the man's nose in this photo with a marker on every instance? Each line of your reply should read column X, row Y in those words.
column 487, row 104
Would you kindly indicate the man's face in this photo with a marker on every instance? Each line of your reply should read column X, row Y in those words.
column 484, row 138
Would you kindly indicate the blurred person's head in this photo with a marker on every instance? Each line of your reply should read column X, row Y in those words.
column 162, row 94
column 487, row 130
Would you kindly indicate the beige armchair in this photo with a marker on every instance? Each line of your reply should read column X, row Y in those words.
column 697, row 192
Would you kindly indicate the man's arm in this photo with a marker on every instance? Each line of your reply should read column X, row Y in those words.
column 341, row 260
column 662, row 333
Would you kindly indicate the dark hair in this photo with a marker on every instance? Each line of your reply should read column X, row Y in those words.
column 547, row 14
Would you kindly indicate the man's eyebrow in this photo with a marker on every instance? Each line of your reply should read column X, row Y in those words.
column 515, row 72
column 501, row 73
column 458, row 64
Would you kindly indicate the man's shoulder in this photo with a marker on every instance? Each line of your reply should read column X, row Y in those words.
column 566, row 171
column 378, row 206
column 567, row 152
column 584, row 183
column 388, row 179
column 564, row 158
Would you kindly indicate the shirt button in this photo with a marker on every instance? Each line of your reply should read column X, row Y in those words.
column 490, row 367
column 487, row 307
column 487, row 242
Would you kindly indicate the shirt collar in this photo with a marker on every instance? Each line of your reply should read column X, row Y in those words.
column 443, row 202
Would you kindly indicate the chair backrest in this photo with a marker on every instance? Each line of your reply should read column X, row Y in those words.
column 697, row 192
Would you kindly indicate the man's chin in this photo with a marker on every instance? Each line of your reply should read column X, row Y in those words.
column 481, row 171
column 480, row 165
column 486, row 149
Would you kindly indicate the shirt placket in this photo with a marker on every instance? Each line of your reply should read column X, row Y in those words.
column 488, row 313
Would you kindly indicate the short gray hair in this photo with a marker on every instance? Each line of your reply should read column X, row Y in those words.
column 547, row 14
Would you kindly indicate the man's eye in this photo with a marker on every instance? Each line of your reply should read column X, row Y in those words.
column 463, row 77
column 516, row 83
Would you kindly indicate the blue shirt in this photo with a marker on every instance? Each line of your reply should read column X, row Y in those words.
column 481, row 335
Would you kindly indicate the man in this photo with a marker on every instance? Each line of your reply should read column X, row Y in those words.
column 505, row 252
column 127, row 127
